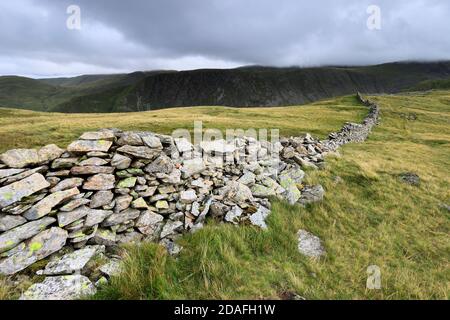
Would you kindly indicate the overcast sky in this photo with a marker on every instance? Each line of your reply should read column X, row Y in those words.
column 125, row 36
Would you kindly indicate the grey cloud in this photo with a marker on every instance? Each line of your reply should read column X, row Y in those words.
column 121, row 36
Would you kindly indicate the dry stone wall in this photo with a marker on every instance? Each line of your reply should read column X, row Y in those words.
column 111, row 187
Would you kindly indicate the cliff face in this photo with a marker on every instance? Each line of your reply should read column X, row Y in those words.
column 241, row 87
column 257, row 86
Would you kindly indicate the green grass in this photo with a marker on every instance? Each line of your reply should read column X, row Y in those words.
column 368, row 216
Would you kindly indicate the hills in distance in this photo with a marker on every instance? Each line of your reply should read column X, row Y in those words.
column 240, row 87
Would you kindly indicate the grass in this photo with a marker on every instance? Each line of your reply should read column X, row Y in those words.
column 20, row 128
column 368, row 215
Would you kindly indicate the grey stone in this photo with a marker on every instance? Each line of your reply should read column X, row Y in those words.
column 248, row 178
column 49, row 153
column 66, row 218
column 101, row 198
column 4, row 173
column 120, row 162
column 152, row 142
column 183, row 145
column 83, row 146
column 69, row 287
column 13, row 237
column 309, row 244
column 162, row 164
column 73, row 204
column 112, row 268
column 19, row 158
column 121, row 217
column 129, row 237
column 123, row 202
column 188, row 196
column 130, row 138
column 100, row 182
column 64, row 163
column 139, row 152
column 104, row 237
column 410, row 178
column 311, row 194
column 67, row 184
column 149, row 222
column 98, row 135
column 18, row 190
column 72, row 262
column 192, row 166
column 39, row 247
column 88, row 170
column 46, row 205
column 8, row 222
column 94, row 161
column 259, row 217
column 237, row 192
column 172, row 248
column 95, row 217
column 234, row 215
column 171, row 227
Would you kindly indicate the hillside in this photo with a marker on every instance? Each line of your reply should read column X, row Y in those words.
column 241, row 87
column 367, row 217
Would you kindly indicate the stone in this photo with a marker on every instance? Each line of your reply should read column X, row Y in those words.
column 101, row 198
column 129, row 237
column 218, row 210
column 16, row 191
column 121, row 217
column 67, row 184
column 99, row 135
column 72, row 262
column 152, row 142
column 13, row 237
column 83, row 146
column 311, row 194
column 248, row 178
column 8, row 222
column 93, row 162
column 49, row 153
column 20, row 158
column 66, row 218
column 183, row 145
column 171, row 227
column 73, row 204
column 100, row 182
column 24, row 175
column 162, row 164
column 292, row 194
column 89, row 170
column 139, row 152
column 39, row 247
column 46, row 205
column 69, row 287
column 112, row 268
column 127, row 183
column 4, row 173
column 261, row 191
column 139, row 204
column 95, row 217
column 410, row 178
column 291, row 176
column 172, row 248
column 237, row 192
column 64, row 163
column 259, row 217
column 148, row 192
column 120, row 162
column 309, row 244
column 234, row 215
column 166, row 189
column 192, row 166
column 188, row 196
column 162, row 204
column 217, row 147
column 130, row 138
column 104, row 237
column 149, row 222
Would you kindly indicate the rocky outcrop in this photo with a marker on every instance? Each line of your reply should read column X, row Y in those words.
column 112, row 187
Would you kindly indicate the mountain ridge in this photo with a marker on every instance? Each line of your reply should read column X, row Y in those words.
column 247, row 86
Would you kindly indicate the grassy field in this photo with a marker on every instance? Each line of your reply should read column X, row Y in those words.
column 368, row 216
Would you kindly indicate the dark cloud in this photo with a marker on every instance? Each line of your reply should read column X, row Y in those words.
column 123, row 36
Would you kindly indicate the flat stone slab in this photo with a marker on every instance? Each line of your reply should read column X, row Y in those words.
column 100, row 182
column 121, row 217
column 259, row 217
column 18, row 190
column 8, row 222
column 60, row 288
column 83, row 146
column 71, row 262
column 46, row 205
column 98, row 135
column 4, row 173
column 37, row 248
column 88, row 170
column 13, row 237
column 140, row 152
column 19, row 158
